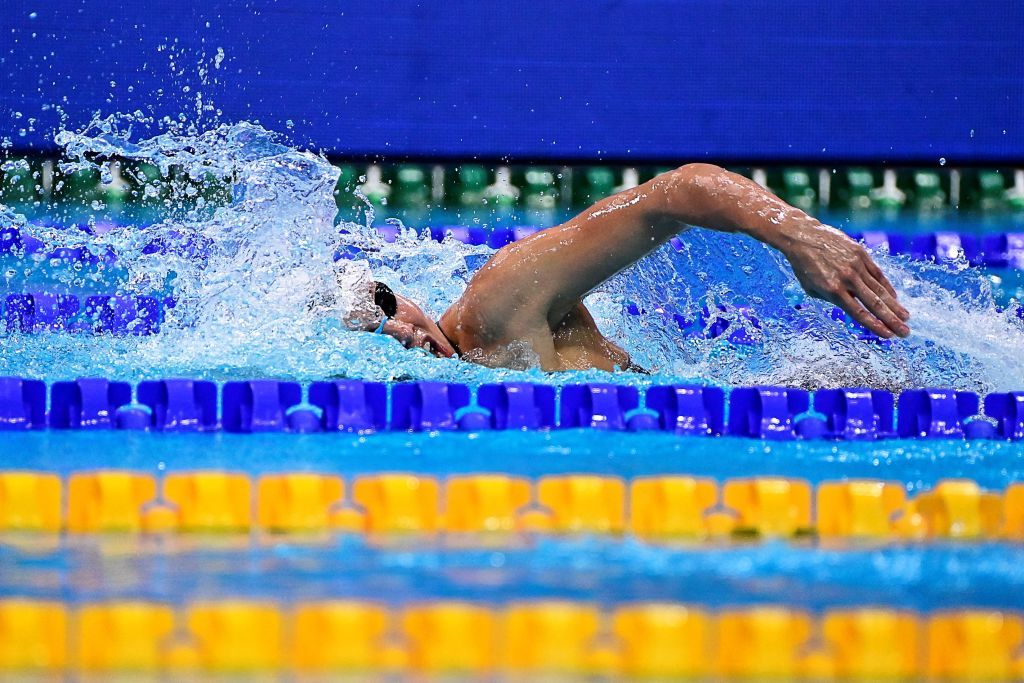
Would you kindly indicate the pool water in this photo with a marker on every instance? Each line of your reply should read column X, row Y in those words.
column 243, row 311
column 917, row 464
column 609, row 569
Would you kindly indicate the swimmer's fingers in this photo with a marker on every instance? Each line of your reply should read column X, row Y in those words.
column 861, row 315
column 875, row 272
column 868, row 311
column 882, row 305
column 438, row 349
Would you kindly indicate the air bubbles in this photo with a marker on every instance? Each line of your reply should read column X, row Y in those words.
column 942, row 161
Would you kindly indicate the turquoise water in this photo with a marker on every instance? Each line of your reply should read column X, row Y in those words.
column 916, row 463
column 252, row 304
column 606, row 569
column 603, row 570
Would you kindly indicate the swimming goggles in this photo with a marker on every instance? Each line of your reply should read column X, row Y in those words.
column 386, row 301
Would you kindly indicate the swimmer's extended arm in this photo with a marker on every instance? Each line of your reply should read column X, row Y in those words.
column 548, row 273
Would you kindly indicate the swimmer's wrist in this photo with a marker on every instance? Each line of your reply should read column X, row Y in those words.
column 787, row 234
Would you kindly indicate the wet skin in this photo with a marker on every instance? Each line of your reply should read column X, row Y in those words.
column 530, row 292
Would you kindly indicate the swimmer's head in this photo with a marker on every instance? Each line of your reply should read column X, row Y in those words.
column 396, row 316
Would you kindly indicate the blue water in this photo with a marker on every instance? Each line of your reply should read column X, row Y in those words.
column 604, row 569
column 264, row 296
column 915, row 463
column 244, row 312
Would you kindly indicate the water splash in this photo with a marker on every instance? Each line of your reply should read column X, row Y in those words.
column 260, row 294
column 961, row 338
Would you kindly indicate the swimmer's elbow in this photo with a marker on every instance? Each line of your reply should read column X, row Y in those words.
column 696, row 183
column 698, row 194
column 700, row 171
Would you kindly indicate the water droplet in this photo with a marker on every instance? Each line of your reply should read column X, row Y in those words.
column 942, row 161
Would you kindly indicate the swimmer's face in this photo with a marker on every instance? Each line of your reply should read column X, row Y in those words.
column 415, row 330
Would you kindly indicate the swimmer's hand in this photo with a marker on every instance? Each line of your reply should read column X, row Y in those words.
column 831, row 266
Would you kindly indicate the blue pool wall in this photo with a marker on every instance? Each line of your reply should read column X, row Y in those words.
column 627, row 80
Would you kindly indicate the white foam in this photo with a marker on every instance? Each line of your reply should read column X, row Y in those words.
column 253, row 302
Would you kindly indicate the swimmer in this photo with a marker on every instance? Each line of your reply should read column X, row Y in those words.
column 529, row 295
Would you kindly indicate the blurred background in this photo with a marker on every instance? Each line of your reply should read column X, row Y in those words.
column 473, row 112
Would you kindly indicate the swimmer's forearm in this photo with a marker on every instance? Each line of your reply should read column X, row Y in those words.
column 710, row 197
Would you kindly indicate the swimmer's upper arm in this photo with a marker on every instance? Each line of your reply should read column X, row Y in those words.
column 547, row 274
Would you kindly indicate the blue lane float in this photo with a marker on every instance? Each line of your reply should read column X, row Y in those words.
column 689, row 410
column 766, row 412
column 180, row 405
column 1000, row 250
column 518, row 405
column 353, row 406
column 474, row 235
column 262, row 406
column 997, row 250
column 855, row 414
column 14, row 242
column 1007, row 409
column 87, row 403
column 28, row 313
column 119, row 315
column 499, row 237
column 22, row 404
column 935, row 413
column 429, row 406
column 123, row 315
column 597, row 406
